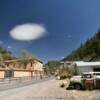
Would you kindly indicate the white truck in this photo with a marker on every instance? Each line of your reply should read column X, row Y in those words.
column 88, row 80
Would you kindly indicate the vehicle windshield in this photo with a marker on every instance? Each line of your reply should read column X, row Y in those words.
column 96, row 73
column 86, row 76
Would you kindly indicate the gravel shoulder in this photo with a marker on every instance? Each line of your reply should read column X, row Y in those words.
column 83, row 95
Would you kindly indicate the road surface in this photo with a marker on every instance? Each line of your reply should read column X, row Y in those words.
column 48, row 90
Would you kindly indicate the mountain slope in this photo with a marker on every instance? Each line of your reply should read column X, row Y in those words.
column 88, row 51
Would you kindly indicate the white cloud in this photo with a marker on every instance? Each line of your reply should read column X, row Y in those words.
column 27, row 32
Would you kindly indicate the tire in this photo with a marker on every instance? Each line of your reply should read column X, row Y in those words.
column 77, row 87
column 62, row 86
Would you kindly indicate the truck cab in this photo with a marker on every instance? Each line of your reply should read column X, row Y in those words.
column 88, row 80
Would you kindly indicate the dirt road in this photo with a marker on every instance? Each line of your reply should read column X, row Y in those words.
column 48, row 90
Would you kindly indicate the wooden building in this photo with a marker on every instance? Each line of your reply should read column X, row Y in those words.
column 22, row 68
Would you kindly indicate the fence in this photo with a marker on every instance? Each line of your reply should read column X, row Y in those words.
column 9, row 83
column 21, row 73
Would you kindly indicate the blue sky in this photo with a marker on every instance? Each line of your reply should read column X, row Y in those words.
column 68, row 23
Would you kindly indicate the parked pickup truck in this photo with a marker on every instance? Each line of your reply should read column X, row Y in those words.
column 88, row 80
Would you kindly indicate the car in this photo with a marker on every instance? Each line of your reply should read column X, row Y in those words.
column 88, row 80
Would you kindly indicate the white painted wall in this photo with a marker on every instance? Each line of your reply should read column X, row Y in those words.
column 81, row 69
column 38, row 66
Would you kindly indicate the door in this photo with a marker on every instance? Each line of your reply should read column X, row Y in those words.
column 9, row 73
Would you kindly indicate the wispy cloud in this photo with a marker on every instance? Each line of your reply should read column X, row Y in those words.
column 62, row 57
column 69, row 36
column 9, row 47
column 1, row 42
column 27, row 32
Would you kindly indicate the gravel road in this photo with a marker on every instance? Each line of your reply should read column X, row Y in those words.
column 48, row 90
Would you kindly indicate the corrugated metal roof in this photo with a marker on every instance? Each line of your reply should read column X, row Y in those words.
column 82, row 63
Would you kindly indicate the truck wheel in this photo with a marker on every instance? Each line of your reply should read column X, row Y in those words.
column 62, row 85
column 77, row 86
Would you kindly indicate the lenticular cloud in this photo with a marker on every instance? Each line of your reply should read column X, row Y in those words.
column 28, row 32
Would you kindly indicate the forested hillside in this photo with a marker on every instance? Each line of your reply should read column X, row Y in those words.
column 88, row 51
column 52, row 65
